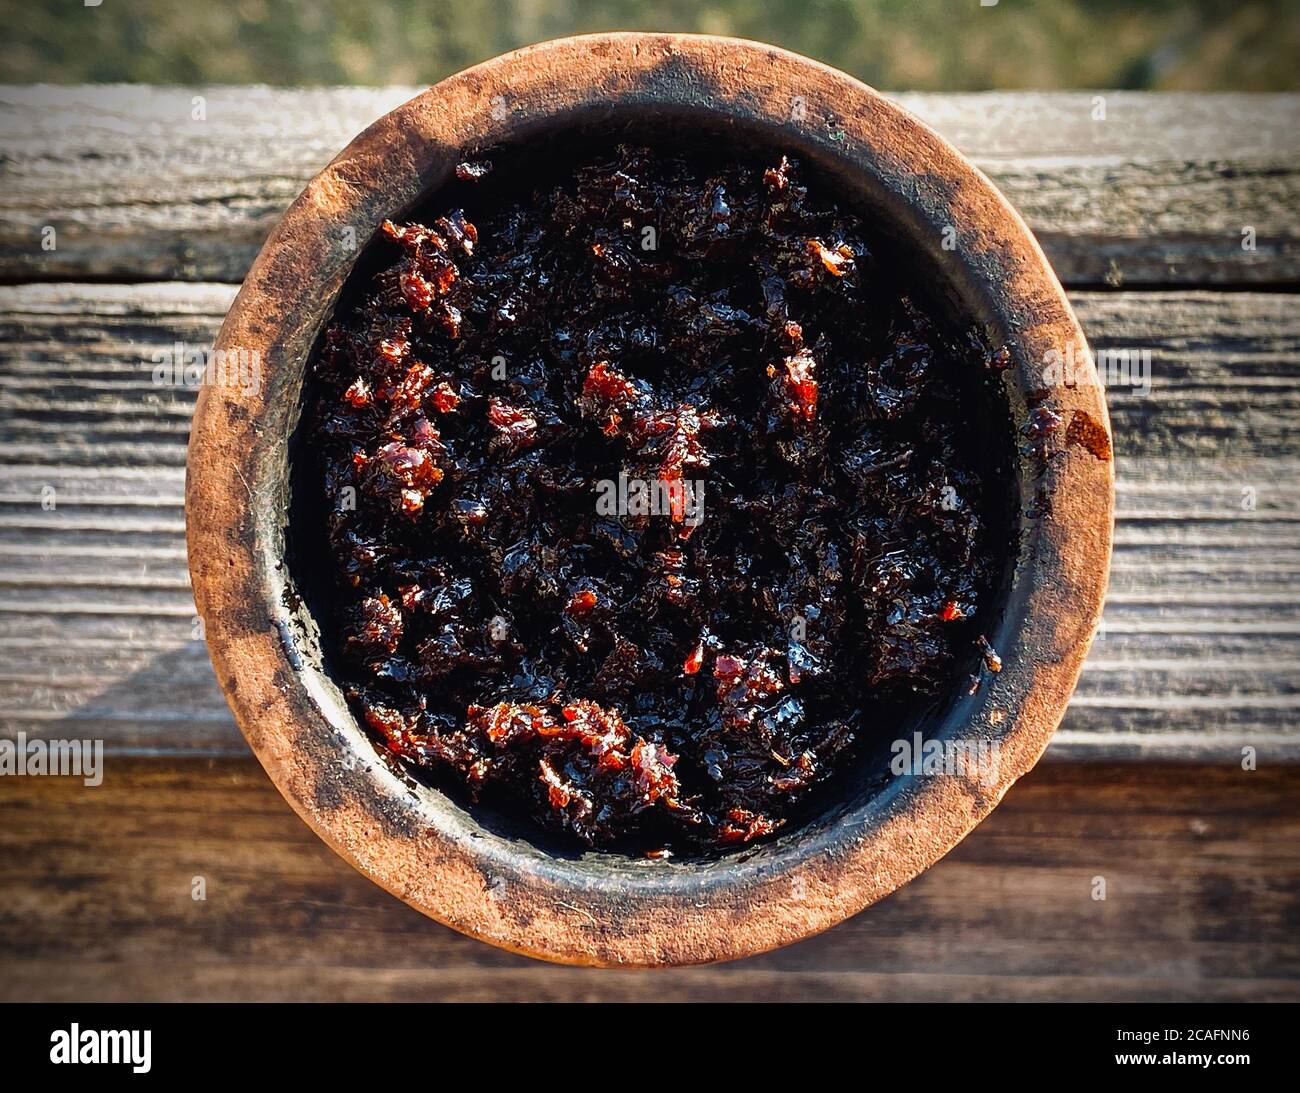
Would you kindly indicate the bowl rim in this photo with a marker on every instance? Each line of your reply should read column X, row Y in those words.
column 415, row 846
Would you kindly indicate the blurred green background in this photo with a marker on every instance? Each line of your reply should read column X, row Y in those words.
column 896, row 44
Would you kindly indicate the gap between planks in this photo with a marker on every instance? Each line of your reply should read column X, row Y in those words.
column 1155, row 189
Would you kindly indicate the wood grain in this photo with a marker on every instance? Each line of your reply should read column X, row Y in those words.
column 1199, row 653
column 1157, row 191
column 1202, row 870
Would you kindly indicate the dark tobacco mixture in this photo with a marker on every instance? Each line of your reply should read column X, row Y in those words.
column 679, row 677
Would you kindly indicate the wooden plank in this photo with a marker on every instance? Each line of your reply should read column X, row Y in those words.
column 1157, row 191
column 1201, row 867
column 1199, row 654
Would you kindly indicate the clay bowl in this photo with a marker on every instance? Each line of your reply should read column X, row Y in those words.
column 475, row 872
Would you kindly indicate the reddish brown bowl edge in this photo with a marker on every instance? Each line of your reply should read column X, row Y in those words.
column 628, row 919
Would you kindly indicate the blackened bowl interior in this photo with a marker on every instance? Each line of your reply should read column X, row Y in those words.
column 910, row 245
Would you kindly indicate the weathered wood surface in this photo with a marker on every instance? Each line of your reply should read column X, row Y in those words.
column 1156, row 191
column 1201, row 867
column 1199, row 655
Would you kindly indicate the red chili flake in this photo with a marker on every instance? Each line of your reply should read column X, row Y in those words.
column 389, row 723
column 424, row 434
column 507, row 722
column 652, row 768
column 743, row 825
column 358, row 394
column 445, row 398
column 417, row 290
column 778, row 178
column 801, row 385
column 442, row 274
column 405, row 471
column 605, row 383
column 376, row 626
column 951, row 611
column 694, row 660
column 518, row 427
column 412, row 234
column 409, row 388
column 606, row 391
column 557, row 792
column 393, row 350
column 836, row 260
column 727, row 667
column 582, row 602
